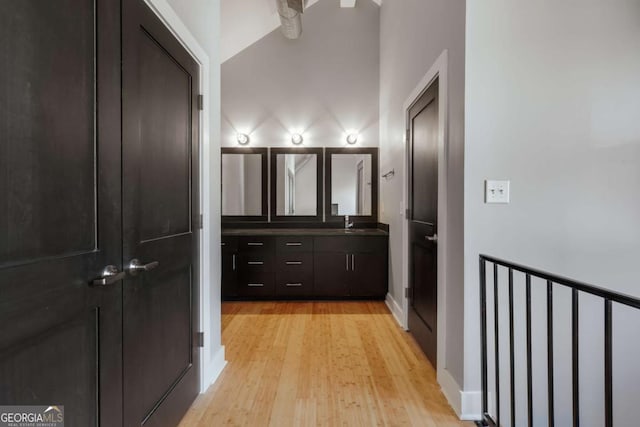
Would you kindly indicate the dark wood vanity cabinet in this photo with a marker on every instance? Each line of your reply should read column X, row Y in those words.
column 304, row 266
column 229, row 266
column 351, row 266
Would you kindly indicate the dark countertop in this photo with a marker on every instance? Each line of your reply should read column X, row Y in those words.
column 303, row 232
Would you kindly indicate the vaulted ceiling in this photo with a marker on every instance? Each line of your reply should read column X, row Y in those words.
column 244, row 22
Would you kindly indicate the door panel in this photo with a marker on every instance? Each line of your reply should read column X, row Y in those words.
column 369, row 275
column 160, row 182
column 330, row 274
column 165, row 143
column 423, row 221
column 61, row 207
column 47, row 57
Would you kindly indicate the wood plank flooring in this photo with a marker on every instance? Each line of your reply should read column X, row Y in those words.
column 320, row 364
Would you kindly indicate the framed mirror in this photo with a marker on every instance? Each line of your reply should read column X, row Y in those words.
column 296, row 184
column 244, row 184
column 351, row 184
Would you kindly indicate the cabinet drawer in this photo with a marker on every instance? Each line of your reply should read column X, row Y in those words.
column 255, row 262
column 255, row 244
column 300, row 263
column 350, row 244
column 256, row 284
column 294, row 284
column 287, row 244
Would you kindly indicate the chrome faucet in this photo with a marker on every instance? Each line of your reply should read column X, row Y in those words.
column 347, row 225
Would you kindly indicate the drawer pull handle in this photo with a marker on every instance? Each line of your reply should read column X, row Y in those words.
column 255, row 244
column 294, row 285
column 255, row 285
column 294, row 262
column 294, row 244
column 255, row 263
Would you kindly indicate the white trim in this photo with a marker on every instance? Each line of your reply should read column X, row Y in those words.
column 216, row 366
column 209, row 367
column 394, row 308
column 451, row 390
column 470, row 405
column 439, row 70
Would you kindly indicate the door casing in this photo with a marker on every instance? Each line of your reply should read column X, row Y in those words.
column 437, row 70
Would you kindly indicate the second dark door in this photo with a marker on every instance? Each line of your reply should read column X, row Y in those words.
column 160, row 202
column 423, row 220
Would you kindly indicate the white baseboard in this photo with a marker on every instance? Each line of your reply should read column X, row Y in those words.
column 451, row 390
column 471, row 405
column 395, row 309
column 466, row 404
column 216, row 365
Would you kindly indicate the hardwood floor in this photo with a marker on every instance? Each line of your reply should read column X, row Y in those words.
column 320, row 364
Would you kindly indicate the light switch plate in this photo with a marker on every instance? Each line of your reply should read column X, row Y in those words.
column 496, row 191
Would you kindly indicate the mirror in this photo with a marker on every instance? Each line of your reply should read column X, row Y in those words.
column 244, row 173
column 352, row 182
column 295, row 182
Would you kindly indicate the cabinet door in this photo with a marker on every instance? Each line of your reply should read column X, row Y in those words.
column 368, row 275
column 331, row 275
column 229, row 274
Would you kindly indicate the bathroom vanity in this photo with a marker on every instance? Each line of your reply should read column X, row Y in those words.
column 290, row 239
column 304, row 263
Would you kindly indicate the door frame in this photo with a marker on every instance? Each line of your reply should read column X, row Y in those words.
column 210, row 367
column 437, row 70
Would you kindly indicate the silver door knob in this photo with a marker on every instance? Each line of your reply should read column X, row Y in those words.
column 135, row 266
column 110, row 275
column 433, row 238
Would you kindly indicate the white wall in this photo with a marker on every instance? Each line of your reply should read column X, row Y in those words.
column 413, row 34
column 323, row 85
column 553, row 104
column 202, row 18
column 247, row 21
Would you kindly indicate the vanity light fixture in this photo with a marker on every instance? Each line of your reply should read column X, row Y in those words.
column 352, row 138
column 243, row 138
column 296, row 139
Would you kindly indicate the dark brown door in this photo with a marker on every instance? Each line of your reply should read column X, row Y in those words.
column 160, row 199
column 423, row 220
column 60, row 334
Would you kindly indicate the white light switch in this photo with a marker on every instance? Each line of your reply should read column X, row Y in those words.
column 496, row 191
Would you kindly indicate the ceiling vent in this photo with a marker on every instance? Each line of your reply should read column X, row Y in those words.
column 290, row 12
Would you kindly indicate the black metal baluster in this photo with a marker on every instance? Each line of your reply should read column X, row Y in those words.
column 483, row 332
column 529, row 349
column 496, row 340
column 512, row 352
column 608, row 363
column 576, row 367
column 550, row 352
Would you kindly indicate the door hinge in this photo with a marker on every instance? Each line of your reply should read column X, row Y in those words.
column 200, row 222
column 200, row 339
column 407, row 214
column 200, row 102
column 406, row 292
column 407, row 135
